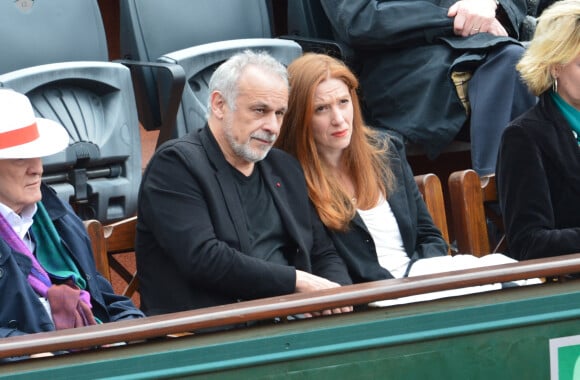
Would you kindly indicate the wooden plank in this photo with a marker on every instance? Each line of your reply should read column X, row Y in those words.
column 499, row 335
column 270, row 308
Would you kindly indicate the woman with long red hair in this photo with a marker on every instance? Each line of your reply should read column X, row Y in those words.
column 360, row 182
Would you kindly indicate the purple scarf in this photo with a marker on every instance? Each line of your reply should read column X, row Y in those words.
column 38, row 278
column 70, row 306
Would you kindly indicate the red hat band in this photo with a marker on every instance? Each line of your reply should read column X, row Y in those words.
column 19, row 136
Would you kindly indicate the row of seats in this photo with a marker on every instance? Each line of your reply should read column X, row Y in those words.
column 470, row 193
column 55, row 52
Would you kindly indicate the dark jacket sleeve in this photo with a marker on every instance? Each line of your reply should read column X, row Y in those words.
column 527, row 198
column 183, row 217
column 107, row 306
column 400, row 23
column 21, row 311
column 326, row 261
column 422, row 238
column 317, row 253
column 6, row 332
column 118, row 307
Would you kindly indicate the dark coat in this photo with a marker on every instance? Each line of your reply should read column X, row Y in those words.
column 404, row 52
column 421, row 238
column 192, row 239
column 21, row 311
column 538, row 180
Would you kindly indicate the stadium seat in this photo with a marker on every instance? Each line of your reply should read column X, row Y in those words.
column 55, row 52
column 197, row 36
column 474, row 206
column 110, row 240
column 430, row 188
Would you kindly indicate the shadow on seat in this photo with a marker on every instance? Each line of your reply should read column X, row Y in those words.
column 110, row 240
column 197, row 36
column 474, row 206
column 308, row 26
column 55, row 52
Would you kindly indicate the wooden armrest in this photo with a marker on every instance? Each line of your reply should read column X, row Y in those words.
column 114, row 238
column 468, row 212
column 430, row 187
column 99, row 245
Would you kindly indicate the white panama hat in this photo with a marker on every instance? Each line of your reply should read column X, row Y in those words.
column 22, row 134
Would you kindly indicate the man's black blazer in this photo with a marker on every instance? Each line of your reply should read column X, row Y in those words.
column 192, row 240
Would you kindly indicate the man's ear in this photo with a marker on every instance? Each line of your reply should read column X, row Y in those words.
column 218, row 104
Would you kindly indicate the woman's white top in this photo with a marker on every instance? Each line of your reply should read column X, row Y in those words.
column 384, row 230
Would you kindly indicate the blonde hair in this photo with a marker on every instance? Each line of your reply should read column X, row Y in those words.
column 364, row 158
column 556, row 42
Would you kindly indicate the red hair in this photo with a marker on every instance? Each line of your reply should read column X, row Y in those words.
column 364, row 158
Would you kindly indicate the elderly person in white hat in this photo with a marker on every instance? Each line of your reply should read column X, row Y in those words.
column 48, row 278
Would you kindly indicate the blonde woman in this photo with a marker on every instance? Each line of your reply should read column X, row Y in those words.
column 538, row 172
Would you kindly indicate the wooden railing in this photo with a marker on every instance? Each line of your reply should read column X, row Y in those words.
column 269, row 308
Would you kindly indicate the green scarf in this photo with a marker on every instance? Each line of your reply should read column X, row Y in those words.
column 571, row 114
column 50, row 251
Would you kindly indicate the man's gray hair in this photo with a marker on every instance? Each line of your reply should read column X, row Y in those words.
column 226, row 77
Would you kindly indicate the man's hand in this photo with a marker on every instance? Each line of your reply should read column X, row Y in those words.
column 306, row 282
column 475, row 16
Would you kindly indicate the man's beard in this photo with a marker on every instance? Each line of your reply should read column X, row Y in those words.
column 244, row 150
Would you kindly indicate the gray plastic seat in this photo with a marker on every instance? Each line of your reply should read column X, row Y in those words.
column 56, row 53
column 196, row 35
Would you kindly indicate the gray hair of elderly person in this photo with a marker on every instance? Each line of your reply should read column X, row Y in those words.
column 556, row 41
column 226, row 77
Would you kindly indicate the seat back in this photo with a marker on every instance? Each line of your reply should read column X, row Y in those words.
column 151, row 28
column 198, row 36
column 199, row 63
column 115, row 239
column 430, row 188
column 49, row 31
column 474, row 207
column 100, row 171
